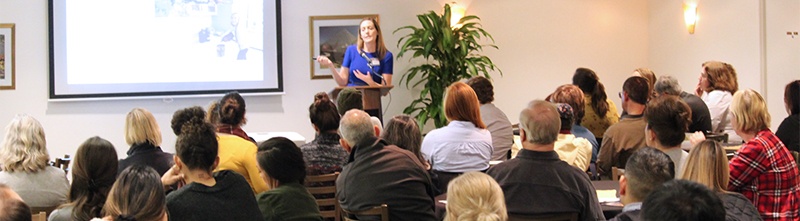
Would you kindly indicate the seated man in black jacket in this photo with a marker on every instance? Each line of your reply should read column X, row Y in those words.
column 378, row 173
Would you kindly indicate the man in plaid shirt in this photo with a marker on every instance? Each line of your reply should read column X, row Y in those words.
column 763, row 170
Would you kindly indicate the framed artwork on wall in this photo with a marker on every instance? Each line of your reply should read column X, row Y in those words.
column 7, row 58
column 330, row 36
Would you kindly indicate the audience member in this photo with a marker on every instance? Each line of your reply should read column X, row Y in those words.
column 350, row 98
column 575, row 151
column 324, row 155
column 137, row 195
column 231, row 109
column 682, row 200
column 284, row 171
column 496, row 121
column 572, row 95
column 464, row 144
column 762, row 170
column 144, row 136
column 701, row 119
column 223, row 195
column 537, row 181
column 789, row 130
column 667, row 118
column 648, row 74
column 94, row 170
column 236, row 151
column 403, row 131
column 12, row 208
column 475, row 196
column 646, row 170
column 716, row 86
column 708, row 165
column 213, row 113
column 24, row 168
column 627, row 136
column 599, row 111
column 378, row 173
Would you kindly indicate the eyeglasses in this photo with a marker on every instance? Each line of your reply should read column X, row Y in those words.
column 620, row 95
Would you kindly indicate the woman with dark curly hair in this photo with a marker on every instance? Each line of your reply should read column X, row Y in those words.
column 222, row 195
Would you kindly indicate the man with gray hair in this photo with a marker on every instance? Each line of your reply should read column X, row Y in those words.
column 378, row 173
column 537, row 182
column 701, row 118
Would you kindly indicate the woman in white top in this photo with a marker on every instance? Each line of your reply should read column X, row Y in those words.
column 716, row 86
column 464, row 144
column 667, row 118
column 23, row 164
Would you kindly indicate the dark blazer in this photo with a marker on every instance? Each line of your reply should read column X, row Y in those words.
column 378, row 173
column 701, row 118
column 148, row 155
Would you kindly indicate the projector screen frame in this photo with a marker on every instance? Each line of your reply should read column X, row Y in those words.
column 277, row 62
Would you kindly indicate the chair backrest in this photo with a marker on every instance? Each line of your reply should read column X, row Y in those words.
column 544, row 217
column 796, row 156
column 443, row 178
column 63, row 163
column 41, row 216
column 616, row 173
column 382, row 211
column 325, row 194
column 46, row 210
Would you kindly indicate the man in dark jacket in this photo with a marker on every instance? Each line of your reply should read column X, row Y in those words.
column 378, row 173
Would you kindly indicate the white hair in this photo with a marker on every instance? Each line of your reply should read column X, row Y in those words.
column 356, row 127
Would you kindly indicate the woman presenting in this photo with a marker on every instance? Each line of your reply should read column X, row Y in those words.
column 367, row 63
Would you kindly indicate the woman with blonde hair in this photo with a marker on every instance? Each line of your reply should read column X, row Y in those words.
column 708, row 165
column 716, row 86
column 136, row 195
column 762, row 170
column 144, row 136
column 475, row 196
column 23, row 164
column 464, row 144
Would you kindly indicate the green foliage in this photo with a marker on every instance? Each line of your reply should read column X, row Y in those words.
column 451, row 55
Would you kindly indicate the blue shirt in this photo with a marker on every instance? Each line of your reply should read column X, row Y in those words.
column 458, row 147
column 354, row 61
column 580, row 131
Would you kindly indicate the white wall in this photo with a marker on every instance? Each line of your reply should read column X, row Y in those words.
column 729, row 31
column 543, row 42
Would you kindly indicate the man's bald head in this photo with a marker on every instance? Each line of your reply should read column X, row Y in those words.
column 356, row 127
column 541, row 122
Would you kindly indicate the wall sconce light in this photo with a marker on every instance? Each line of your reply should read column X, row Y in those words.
column 690, row 16
column 456, row 13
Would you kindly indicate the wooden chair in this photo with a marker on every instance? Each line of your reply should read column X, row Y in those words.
column 45, row 210
column 382, row 211
column 616, row 173
column 544, row 217
column 41, row 216
column 63, row 163
column 328, row 206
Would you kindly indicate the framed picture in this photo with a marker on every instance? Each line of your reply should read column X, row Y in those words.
column 330, row 36
column 7, row 56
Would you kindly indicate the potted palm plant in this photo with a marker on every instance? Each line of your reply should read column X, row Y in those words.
column 451, row 54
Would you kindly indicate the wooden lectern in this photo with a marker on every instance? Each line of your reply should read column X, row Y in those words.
column 370, row 98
